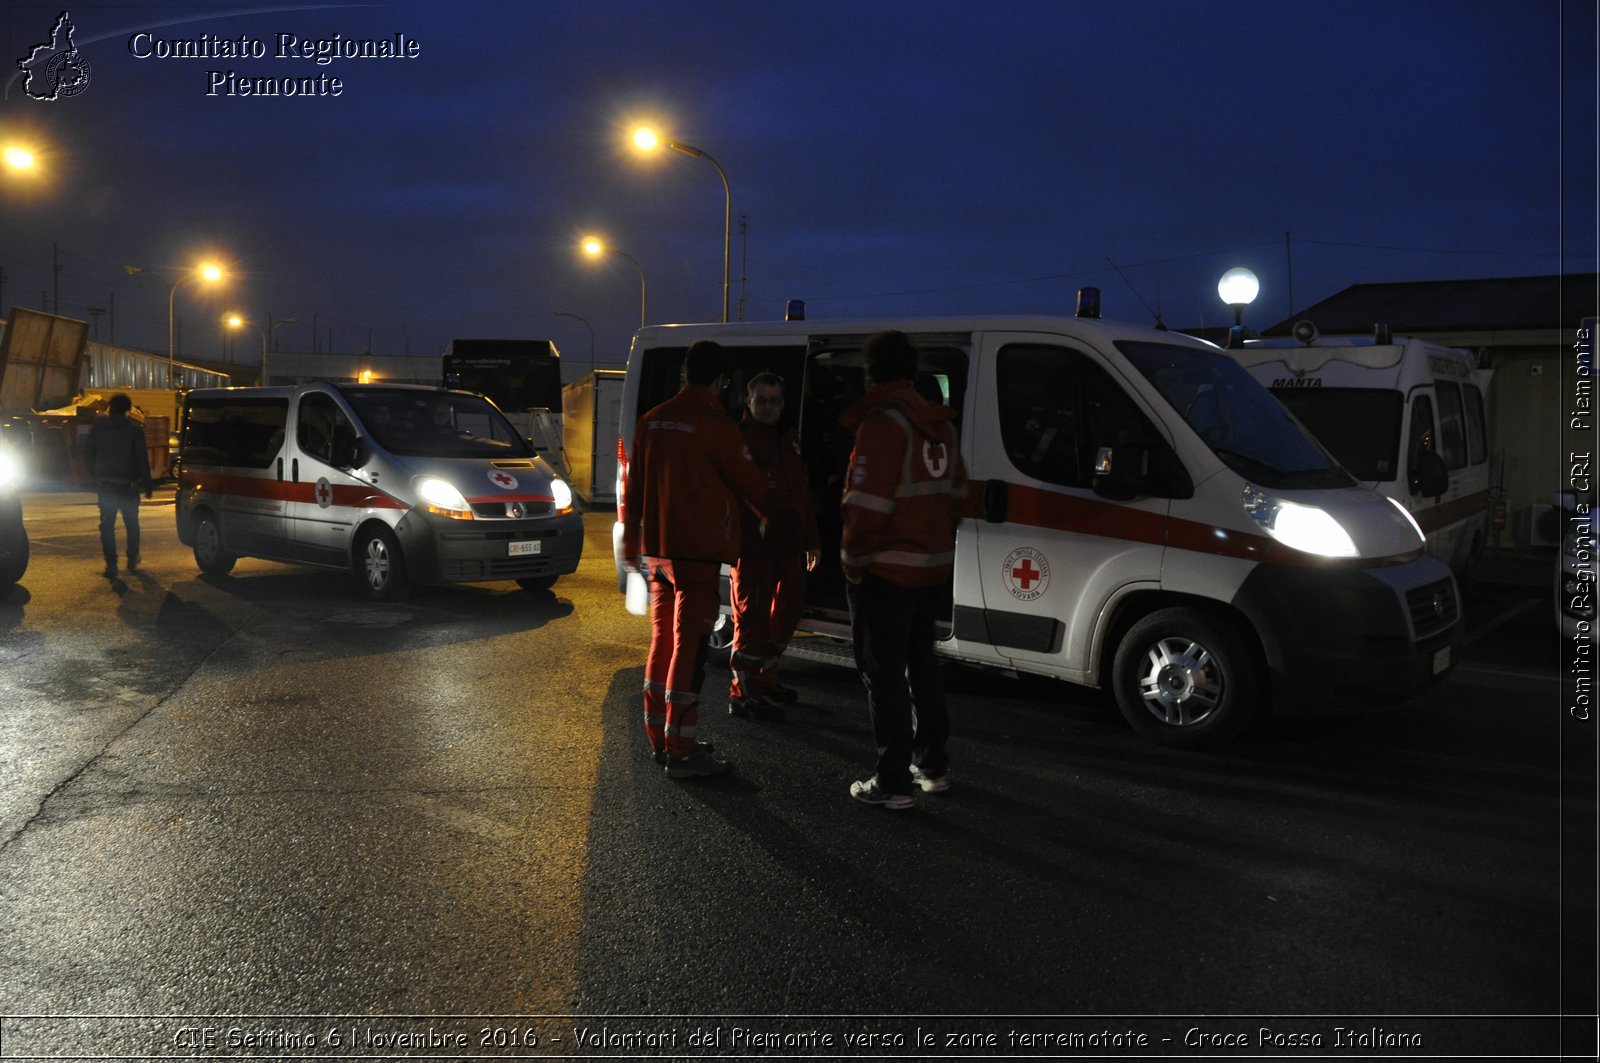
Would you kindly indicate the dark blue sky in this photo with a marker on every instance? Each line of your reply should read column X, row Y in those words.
column 891, row 158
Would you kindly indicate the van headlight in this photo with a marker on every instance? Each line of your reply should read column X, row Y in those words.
column 560, row 495
column 10, row 469
column 1309, row 529
column 441, row 498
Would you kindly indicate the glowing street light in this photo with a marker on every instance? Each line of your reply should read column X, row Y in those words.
column 647, row 140
column 209, row 272
column 19, row 158
column 231, row 319
column 1238, row 288
column 594, row 247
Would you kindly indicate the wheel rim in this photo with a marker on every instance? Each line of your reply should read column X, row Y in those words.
column 378, row 563
column 1182, row 684
column 206, row 539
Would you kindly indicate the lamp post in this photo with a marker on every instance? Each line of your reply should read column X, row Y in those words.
column 594, row 247
column 271, row 324
column 211, row 274
column 575, row 317
column 1238, row 288
column 230, row 320
column 646, row 139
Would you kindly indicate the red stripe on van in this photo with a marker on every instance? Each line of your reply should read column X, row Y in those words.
column 356, row 496
column 1435, row 517
column 1039, row 508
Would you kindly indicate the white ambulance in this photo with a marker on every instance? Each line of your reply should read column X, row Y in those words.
column 1144, row 515
column 397, row 484
column 1406, row 418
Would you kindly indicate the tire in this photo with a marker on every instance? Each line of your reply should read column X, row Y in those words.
column 719, row 644
column 534, row 584
column 380, row 566
column 1187, row 678
column 14, row 559
column 208, row 552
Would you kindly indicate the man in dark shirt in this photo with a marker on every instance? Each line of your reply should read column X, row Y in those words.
column 117, row 459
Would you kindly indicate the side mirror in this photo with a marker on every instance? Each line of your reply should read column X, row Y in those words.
column 351, row 453
column 1118, row 472
column 1429, row 477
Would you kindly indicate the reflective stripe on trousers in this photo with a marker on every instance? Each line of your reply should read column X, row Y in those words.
column 683, row 607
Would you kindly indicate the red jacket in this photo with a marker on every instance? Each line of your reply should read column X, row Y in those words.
column 791, row 518
column 905, row 490
column 689, row 473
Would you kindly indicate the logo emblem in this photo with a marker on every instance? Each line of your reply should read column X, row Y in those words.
column 324, row 493
column 503, row 480
column 935, row 458
column 55, row 69
column 1026, row 573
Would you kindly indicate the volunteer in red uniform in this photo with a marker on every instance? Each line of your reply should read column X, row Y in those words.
column 903, row 498
column 688, row 479
column 768, row 586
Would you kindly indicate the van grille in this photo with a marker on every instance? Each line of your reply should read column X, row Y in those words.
column 510, row 510
column 1432, row 607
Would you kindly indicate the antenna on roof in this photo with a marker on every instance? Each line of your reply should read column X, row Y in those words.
column 1162, row 325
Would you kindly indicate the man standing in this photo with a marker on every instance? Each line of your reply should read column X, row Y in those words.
column 768, row 585
column 116, row 457
column 901, row 505
column 689, row 475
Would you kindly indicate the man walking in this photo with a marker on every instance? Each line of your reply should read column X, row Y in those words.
column 902, row 501
column 768, row 585
column 689, row 475
column 116, row 457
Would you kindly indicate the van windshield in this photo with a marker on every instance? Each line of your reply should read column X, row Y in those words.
column 1235, row 416
column 436, row 424
column 1360, row 426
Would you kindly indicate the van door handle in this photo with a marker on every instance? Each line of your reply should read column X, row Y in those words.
column 280, row 468
column 996, row 501
column 294, row 470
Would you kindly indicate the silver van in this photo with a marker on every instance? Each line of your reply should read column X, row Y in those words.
column 397, row 484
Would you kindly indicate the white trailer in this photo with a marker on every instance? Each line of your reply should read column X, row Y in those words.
column 591, row 412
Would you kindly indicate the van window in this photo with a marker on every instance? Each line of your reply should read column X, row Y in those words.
column 1359, row 426
column 1452, row 430
column 323, row 427
column 1423, row 437
column 417, row 422
column 1235, row 416
column 1477, row 425
column 1058, row 407
column 233, row 431
column 661, row 377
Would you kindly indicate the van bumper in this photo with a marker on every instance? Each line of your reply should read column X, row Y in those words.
column 439, row 550
column 1353, row 638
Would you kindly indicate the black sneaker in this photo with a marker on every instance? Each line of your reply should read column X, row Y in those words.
column 931, row 784
column 133, row 563
column 755, row 708
column 700, row 746
column 869, row 792
column 697, row 763
column 110, row 572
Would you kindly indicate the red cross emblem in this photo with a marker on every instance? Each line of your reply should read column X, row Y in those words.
column 503, row 479
column 324, row 494
column 1025, row 573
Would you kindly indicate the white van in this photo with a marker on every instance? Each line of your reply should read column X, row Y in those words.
column 1406, row 418
column 393, row 483
column 1144, row 516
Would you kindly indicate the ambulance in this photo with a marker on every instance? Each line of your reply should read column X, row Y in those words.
column 1144, row 516
column 1403, row 416
column 396, row 484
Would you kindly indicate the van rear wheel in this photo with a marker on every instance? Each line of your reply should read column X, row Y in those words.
column 208, row 552
column 1187, row 677
column 380, row 566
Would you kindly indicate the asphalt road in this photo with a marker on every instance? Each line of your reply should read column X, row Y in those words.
column 260, row 816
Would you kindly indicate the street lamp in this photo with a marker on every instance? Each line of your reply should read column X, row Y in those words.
column 647, row 140
column 575, row 317
column 230, row 320
column 209, row 272
column 594, row 247
column 271, row 324
column 1238, row 288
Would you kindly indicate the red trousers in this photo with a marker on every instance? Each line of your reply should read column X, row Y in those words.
column 683, row 608
column 768, row 594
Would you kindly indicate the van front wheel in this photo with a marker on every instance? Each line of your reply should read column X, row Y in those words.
column 380, row 566
column 1186, row 677
column 208, row 552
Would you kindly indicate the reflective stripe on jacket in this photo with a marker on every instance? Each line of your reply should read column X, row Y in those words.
column 905, row 491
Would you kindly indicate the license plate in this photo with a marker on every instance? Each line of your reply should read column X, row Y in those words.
column 523, row 549
column 1441, row 660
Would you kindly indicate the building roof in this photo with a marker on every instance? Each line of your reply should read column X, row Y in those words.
column 1483, row 305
